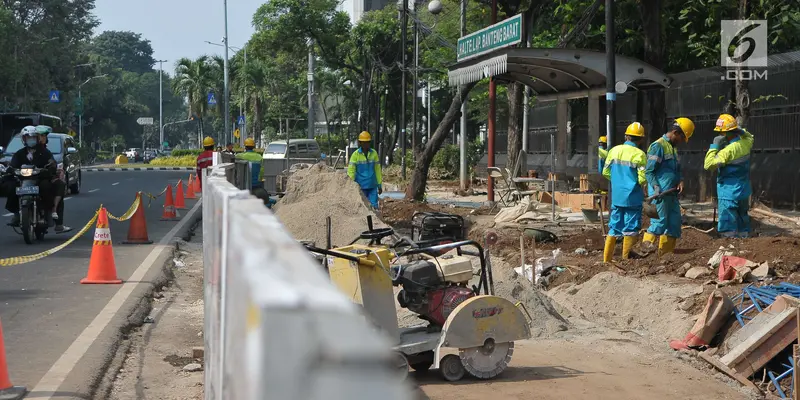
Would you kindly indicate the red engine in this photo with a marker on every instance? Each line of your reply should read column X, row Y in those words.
column 441, row 302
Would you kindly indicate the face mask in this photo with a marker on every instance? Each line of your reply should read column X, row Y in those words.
column 31, row 142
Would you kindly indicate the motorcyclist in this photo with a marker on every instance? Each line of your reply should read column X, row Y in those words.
column 33, row 153
column 59, row 181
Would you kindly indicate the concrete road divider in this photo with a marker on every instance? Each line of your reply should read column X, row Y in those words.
column 275, row 327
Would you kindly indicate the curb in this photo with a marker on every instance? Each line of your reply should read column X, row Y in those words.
column 139, row 169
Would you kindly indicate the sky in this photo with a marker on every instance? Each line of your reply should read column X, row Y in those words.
column 179, row 28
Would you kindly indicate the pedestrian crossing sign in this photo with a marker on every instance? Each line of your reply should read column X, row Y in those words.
column 212, row 100
column 55, row 96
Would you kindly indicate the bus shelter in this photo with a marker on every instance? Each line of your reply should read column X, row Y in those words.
column 560, row 75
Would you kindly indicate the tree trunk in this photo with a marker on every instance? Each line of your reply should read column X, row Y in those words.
column 515, row 115
column 419, row 178
column 742, row 89
column 651, row 15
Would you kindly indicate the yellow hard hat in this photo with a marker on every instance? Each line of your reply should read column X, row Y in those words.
column 603, row 139
column 635, row 129
column 208, row 141
column 249, row 142
column 686, row 125
column 364, row 137
column 726, row 123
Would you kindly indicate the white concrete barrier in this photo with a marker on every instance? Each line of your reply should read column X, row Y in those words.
column 275, row 327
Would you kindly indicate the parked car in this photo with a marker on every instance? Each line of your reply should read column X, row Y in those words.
column 65, row 153
column 298, row 148
column 135, row 154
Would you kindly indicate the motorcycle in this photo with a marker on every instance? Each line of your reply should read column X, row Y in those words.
column 34, row 220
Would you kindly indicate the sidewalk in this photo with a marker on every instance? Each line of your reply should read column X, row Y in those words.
column 159, row 364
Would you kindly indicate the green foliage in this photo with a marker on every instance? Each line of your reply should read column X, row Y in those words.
column 186, row 152
column 175, row 161
column 123, row 50
column 447, row 159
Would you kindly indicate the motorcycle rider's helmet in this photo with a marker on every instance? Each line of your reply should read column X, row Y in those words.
column 44, row 130
column 29, row 136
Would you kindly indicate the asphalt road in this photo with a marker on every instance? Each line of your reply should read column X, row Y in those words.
column 43, row 307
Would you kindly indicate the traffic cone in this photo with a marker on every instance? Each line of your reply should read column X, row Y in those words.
column 190, row 189
column 7, row 390
column 197, row 182
column 180, row 203
column 170, row 214
column 137, row 230
column 102, row 268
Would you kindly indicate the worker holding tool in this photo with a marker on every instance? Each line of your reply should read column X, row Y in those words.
column 663, row 173
column 365, row 169
column 625, row 166
column 730, row 155
column 205, row 159
column 602, row 153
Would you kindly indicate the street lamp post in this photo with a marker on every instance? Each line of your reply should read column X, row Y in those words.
column 227, row 94
column 244, row 126
column 80, row 99
column 160, row 104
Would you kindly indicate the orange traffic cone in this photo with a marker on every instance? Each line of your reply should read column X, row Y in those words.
column 102, row 268
column 170, row 214
column 197, row 184
column 190, row 189
column 137, row 230
column 7, row 390
column 180, row 203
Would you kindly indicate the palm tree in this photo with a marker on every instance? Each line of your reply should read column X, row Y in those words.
column 253, row 79
column 192, row 80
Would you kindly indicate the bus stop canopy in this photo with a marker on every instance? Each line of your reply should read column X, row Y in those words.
column 558, row 73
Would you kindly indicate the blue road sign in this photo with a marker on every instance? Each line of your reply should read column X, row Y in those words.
column 55, row 96
column 212, row 100
column 240, row 121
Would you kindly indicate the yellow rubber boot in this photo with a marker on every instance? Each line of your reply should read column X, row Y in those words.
column 608, row 251
column 649, row 238
column 627, row 244
column 666, row 245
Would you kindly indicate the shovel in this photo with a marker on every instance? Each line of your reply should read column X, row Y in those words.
column 649, row 209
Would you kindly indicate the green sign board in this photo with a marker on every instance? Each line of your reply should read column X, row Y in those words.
column 78, row 106
column 502, row 34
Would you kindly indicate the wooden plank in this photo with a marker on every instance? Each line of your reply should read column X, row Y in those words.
column 759, row 337
column 774, row 344
column 714, row 361
column 795, row 374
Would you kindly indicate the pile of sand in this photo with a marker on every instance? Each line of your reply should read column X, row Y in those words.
column 651, row 308
column 318, row 192
column 507, row 284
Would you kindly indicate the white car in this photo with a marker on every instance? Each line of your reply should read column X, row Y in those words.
column 134, row 154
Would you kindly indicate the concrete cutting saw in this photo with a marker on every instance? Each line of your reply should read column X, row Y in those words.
column 431, row 279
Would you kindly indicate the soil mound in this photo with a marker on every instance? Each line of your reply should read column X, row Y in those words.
column 318, row 192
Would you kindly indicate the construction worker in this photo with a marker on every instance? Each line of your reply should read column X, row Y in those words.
column 602, row 153
column 730, row 155
column 257, row 173
column 205, row 159
column 663, row 173
column 624, row 167
column 365, row 169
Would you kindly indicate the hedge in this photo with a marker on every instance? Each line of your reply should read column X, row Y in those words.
column 196, row 152
column 175, row 161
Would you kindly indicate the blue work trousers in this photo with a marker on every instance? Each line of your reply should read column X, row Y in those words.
column 371, row 195
column 624, row 221
column 669, row 217
column 733, row 218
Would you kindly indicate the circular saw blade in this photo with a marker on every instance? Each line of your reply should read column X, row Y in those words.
column 487, row 361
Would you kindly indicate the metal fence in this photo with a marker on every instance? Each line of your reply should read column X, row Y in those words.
column 275, row 327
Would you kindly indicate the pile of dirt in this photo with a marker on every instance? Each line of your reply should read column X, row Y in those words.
column 316, row 193
column 651, row 308
column 545, row 319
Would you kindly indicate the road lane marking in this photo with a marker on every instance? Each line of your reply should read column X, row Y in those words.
column 115, row 184
column 93, row 190
column 8, row 215
column 52, row 380
column 67, row 198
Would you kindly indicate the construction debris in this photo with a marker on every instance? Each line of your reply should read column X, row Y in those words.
column 697, row 272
